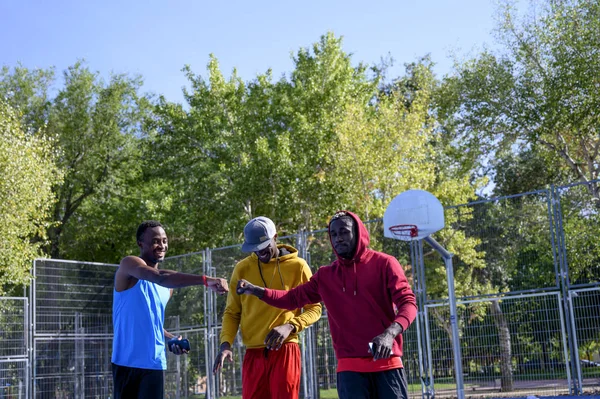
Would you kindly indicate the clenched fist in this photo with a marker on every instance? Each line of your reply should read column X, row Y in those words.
column 217, row 284
column 246, row 287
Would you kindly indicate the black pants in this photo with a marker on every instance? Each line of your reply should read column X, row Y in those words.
column 133, row 383
column 389, row 384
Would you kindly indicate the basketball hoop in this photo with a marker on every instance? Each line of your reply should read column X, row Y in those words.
column 405, row 231
column 413, row 215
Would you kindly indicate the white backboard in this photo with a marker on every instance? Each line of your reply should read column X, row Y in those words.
column 413, row 207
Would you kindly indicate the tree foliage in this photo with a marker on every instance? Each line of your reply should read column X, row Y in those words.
column 94, row 127
column 27, row 174
column 540, row 91
column 297, row 149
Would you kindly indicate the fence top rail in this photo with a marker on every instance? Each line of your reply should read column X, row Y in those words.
column 483, row 201
column 579, row 183
column 279, row 239
column 24, row 298
column 14, row 359
column 43, row 338
column 498, row 294
column 497, row 298
column 323, row 230
column 587, row 289
column 183, row 255
column 74, row 262
column 190, row 329
column 588, row 285
column 225, row 247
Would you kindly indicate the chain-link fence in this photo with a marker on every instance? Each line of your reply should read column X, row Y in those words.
column 71, row 329
column 527, row 275
column 509, row 344
column 14, row 344
column 585, row 320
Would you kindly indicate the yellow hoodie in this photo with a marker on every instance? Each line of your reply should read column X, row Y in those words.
column 254, row 317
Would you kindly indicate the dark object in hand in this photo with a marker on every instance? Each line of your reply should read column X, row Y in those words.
column 182, row 343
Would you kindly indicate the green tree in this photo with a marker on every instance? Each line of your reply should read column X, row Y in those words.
column 94, row 124
column 94, row 127
column 27, row 90
column 224, row 160
column 530, row 109
column 259, row 147
column 27, row 174
column 540, row 89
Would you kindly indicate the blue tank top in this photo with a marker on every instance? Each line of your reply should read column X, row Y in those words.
column 138, row 319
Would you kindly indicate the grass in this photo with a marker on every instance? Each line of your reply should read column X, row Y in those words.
column 332, row 393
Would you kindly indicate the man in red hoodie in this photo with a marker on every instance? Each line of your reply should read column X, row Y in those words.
column 369, row 304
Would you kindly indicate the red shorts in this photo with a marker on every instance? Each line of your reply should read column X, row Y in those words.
column 276, row 375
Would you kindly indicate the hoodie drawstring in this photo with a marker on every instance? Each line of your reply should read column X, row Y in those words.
column 275, row 271
column 355, row 279
column 344, row 278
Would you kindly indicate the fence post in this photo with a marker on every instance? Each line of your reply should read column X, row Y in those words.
column 575, row 387
column 460, row 391
column 208, row 309
column 310, row 380
column 32, row 322
column 423, row 345
column 186, row 387
column 178, row 360
column 79, row 357
column 107, row 365
column 207, row 370
column 27, row 347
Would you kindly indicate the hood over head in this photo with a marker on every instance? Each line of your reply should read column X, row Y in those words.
column 362, row 239
column 361, row 250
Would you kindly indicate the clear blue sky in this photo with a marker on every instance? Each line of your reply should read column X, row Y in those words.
column 156, row 38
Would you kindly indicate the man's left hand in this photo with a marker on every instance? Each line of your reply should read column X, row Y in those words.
column 382, row 346
column 176, row 346
column 277, row 336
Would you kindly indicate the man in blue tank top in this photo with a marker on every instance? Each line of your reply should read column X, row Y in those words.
column 140, row 296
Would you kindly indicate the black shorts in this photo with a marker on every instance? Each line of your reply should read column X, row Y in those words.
column 134, row 383
column 389, row 384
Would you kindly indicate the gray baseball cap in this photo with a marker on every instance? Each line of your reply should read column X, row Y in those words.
column 258, row 234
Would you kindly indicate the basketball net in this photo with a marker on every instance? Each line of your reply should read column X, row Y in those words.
column 404, row 231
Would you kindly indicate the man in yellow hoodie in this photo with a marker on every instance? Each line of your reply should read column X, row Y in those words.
column 272, row 363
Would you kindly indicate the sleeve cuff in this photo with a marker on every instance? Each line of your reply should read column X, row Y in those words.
column 403, row 321
column 226, row 338
column 267, row 294
column 297, row 325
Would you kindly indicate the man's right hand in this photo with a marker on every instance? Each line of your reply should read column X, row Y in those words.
column 246, row 287
column 224, row 353
column 217, row 284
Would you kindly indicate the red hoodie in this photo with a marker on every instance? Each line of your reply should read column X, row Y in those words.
column 359, row 295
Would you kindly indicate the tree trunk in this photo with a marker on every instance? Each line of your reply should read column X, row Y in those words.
column 53, row 241
column 506, row 381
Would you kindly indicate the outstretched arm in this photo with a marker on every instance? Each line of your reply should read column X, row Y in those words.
column 310, row 314
column 295, row 298
column 133, row 266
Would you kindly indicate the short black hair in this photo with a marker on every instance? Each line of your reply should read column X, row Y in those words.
column 148, row 224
